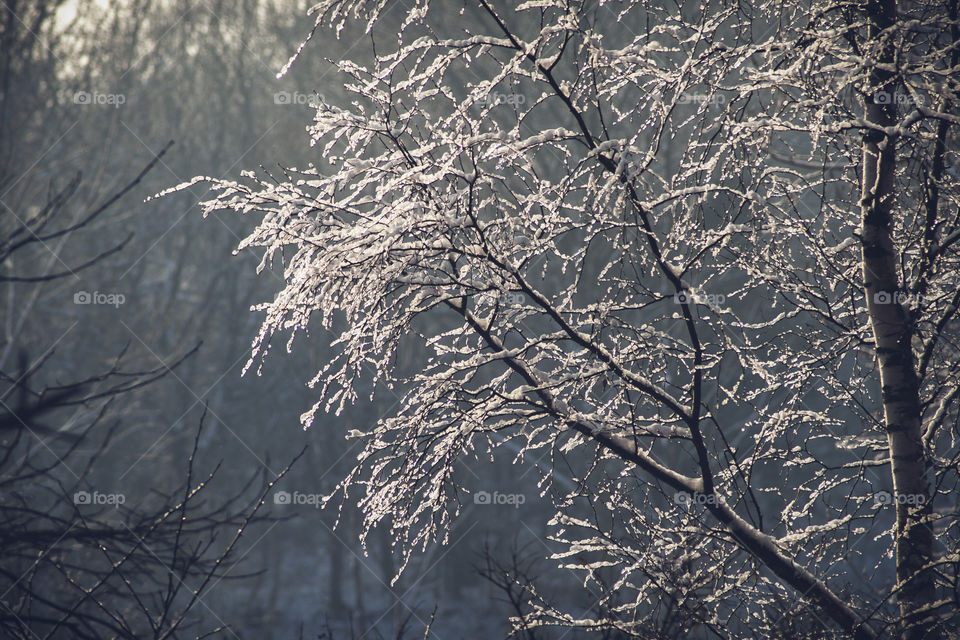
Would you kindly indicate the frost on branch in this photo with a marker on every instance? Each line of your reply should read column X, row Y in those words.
column 633, row 251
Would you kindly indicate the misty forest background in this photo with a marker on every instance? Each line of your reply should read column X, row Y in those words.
column 153, row 477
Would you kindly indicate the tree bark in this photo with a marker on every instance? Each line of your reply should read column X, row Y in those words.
column 893, row 333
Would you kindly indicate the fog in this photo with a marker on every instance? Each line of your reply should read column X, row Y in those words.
column 471, row 340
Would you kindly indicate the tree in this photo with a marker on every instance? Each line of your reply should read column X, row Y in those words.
column 75, row 559
column 706, row 257
column 101, row 87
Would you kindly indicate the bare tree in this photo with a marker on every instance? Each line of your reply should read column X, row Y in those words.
column 79, row 561
column 706, row 257
column 74, row 559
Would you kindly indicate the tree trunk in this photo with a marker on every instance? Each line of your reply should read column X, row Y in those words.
column 893, row 334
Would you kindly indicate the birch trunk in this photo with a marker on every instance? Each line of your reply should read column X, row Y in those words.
column 893, row 333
